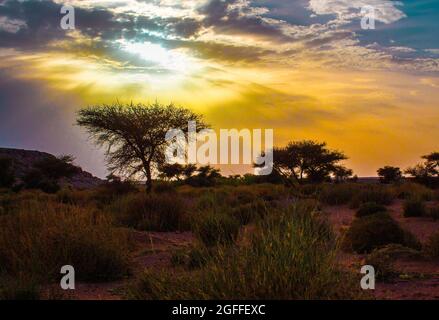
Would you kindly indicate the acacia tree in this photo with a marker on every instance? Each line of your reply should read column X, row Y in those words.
column 427, row 170
column 134, row 134
column 389, row 174
column 309, row 160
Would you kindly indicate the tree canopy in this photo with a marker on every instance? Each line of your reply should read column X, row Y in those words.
column 135, row 134
column 309, row 160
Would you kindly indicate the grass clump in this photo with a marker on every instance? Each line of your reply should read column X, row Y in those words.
column 338, row 194
column 289, row 257
column 414, row 208
column 413, row 190
column 374, row 231
column 216, row 228
column 35, row 242
column 150, row 212
column 249, row 212
column 378, row 194
column 369, row 208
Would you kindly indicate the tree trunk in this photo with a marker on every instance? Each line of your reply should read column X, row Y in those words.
column 148, row 179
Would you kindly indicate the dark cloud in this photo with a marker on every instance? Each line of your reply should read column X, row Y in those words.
column 220, row 15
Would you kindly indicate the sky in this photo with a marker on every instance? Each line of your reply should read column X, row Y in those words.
column 304, row 68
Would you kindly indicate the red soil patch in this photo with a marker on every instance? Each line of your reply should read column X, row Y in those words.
column 422, row 276
column 152, row 250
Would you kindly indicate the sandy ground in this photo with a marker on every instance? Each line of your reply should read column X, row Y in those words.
column 418, row 280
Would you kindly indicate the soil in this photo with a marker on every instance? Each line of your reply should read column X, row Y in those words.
column 419, row 279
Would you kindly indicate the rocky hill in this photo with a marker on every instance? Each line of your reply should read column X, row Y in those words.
column 24, row 161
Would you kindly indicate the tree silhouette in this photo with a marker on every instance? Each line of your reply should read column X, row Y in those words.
column 389, row 174
column 134, row 134
column 308, row 160
column 427, row 171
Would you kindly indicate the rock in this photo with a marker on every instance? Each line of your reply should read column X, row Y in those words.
column 24, row 161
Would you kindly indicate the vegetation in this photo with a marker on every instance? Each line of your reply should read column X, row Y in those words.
column 309, row 160
column 135, row 135
column 214, row 228
column 151, row 212
column 7, row 176
column 414, row 208
column 52, row 235
column 369, row 208
column 304, row 267
column 432, row 247
column 374, row 231
column 426, row 172
column 389, row 174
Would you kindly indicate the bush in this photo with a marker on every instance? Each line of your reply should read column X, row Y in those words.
column 19, row 288
column 369, row 208
column 216, row 229
column 414, row 208
column 413, row 191
column 432, row 247
column 7, row 177
column 38, row 240
column 371, row 232
column 287, row 258
column 35, row 179
column 377, row 194
column 151, row 212
column 382, row 263
column 434, row 213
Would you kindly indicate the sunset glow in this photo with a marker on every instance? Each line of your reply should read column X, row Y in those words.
column 303, row 68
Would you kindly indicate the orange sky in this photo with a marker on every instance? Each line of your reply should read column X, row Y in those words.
column 313, row 81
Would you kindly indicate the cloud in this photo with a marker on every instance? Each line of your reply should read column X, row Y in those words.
column 386, row 11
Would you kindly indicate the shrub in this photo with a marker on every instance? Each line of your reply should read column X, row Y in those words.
column 35, row 179
column 19, row 288
column 414, row 208
column 152, row 212
column 434, row 213
column 382, row 263
column 37, row 241
column 287, row 258
column 216, row 228
column 411, row 190
column 369, row 208
column 7, row 177
column 377, row 194
column 371, row 232
column 432, row 247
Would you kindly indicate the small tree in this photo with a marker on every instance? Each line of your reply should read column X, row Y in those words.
column 389, row 174
column 342, row 173
column 171, row 171
column 427, row 171
column 135, row 134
